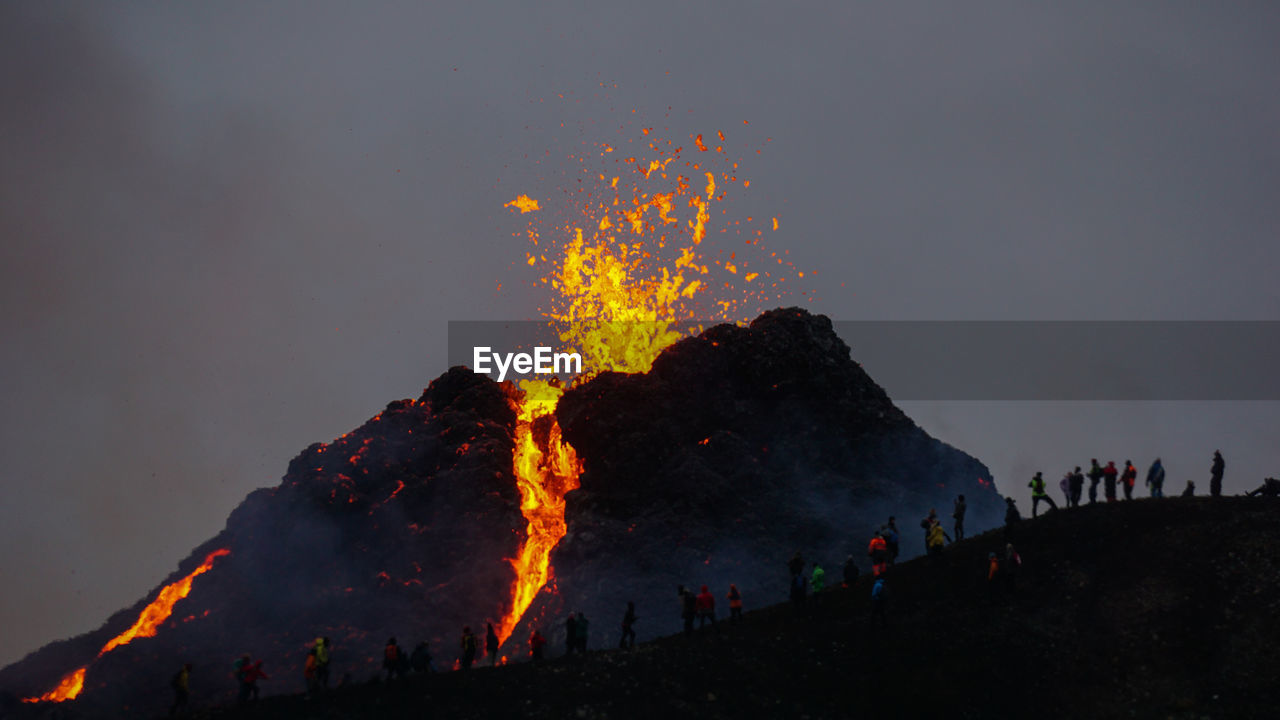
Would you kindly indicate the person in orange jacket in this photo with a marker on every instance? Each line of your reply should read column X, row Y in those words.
column 735, row 603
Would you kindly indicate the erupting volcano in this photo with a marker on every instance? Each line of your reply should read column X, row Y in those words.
column 681, row 454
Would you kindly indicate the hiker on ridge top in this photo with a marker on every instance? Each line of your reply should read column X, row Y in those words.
column 735, row 604
column 958, row 514
column 1095, row 477
column 1109, row 475
column 1215, row 474
column 1155, row 479
column 1269, row 488
column 1127, row 479
column 1076, row 484
column 628, row 632
column 927, row 523
column 706, row 605
column 1038, row 494
column 1011, row 517
column 890, row 533
column 469, row 647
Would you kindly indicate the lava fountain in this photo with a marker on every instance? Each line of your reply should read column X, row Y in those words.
column 625, row 262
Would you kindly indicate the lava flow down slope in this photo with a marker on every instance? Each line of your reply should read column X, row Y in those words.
column 671, row 458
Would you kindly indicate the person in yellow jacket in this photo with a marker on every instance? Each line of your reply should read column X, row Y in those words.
column 1038, row 494
column 935, row 539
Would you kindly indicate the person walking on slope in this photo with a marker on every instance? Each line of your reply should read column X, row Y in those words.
column 927, row 523
column 890, row 533
column 468, row 644
column 689, row 608
column 309, row 673
column 957, row 513
column 242, row 679
column 706, row 605
column 850, row 572
column 1077, row 487
column 1215, row 474
column 1127, row 479
column 491, row 644
column 818, row 580
column 878, row 552
column 1095, row 477
column 391, row 658
column 628, row 632
column 580, row 631
column 1009, row 568
column 322, row 662
column 252, row 676
column 879, row 600
column 1011, row 518
column 993, row 574
column 1109, row 475
column 536, row 644
column 735, row 604
column 1155, row 479
column 1065, row 486
column 936, row 537
column 1038, row 494
column 420, row 658
column 181, row 684
column 571, row 632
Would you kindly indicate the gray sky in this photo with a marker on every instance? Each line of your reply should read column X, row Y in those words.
column 229, row 230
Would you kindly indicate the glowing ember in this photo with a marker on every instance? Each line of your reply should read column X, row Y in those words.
column 629, row 269
column 152, row 616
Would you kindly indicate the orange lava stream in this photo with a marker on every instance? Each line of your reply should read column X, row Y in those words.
column 153, row 615
column 546, row 468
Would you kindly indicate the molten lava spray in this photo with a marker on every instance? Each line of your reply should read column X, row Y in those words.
column 624, row 270
column 152, row 616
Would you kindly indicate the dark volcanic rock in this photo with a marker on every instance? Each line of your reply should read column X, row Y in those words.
column 740, row 447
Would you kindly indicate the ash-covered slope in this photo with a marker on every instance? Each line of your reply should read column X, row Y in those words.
column 738, row 448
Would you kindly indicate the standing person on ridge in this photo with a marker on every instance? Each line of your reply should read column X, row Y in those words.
column 735, row 604
column 469, row 646
column 1215, row 474
column 878, row 551
column 879, row 600
column 391, row 659
column 1011, row 518
column 420, row 658
column 309, row 672
column 1155, row 479
column 890, row 533
column 491, row 644
column 1009, row 568
column 322, row 662
column 1038, row 494
column 688, row 608
column 628, row 632
column 705, row 603
column 1065, row 486
column 936, row 536
column 818, row 581
column 252, row 676
column 795, row 565
column 927, row 523
column 958, row 514
column 1095, row 477
column 1077, row 487
column 181, row 689
column 1127, row 479
column 1109, row 475
column 850, row 572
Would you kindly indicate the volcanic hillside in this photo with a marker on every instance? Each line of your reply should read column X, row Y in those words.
column 738, row 448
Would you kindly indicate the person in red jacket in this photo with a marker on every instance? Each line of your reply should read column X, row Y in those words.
column 252, row 675
column 877, row 550
column 1109, row 474
column 706, row 607
column 536, row 643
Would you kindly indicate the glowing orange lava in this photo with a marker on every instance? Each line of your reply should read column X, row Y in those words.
column 629, row 268
column 152, row 616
